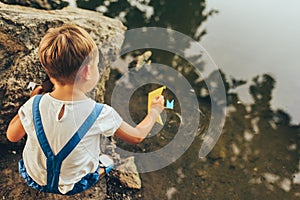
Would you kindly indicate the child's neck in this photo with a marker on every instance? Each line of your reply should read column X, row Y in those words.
column 67, row 92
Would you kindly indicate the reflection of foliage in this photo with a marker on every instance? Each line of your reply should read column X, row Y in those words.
column 258, row 148
column 261, row 91
column 89, row 4
column 257, row 145
column 236, row 83
column 281, row 118
column 257, row 141
column 183, row 16
column 256, row 154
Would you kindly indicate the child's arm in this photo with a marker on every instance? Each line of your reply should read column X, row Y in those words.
column 15, row 130
column 137, row 134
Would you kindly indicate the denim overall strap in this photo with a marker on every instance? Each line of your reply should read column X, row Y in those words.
column 54, row 161
column 38, row 126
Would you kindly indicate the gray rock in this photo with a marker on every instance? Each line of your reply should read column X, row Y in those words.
column 21, row 29
column 127, row 174
column 40, row 4
column 125, row 169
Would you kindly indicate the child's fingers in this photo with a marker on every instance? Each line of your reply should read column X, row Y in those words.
column 159, row 103
column 159, row 100
column 162, row 100
column 157, row 97
column 37, row 90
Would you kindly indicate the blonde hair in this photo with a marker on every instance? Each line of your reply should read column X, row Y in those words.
column 63, row 50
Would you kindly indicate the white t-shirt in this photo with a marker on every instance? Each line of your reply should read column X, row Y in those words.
column 84, row 158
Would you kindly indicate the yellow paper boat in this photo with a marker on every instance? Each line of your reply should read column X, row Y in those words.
column 151, row 96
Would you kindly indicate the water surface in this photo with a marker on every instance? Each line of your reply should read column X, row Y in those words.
column 256, row 45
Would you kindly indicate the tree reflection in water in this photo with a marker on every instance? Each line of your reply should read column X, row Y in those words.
column 257, row 156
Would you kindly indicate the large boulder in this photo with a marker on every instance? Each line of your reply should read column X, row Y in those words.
column 40, row 4
column 21, row 29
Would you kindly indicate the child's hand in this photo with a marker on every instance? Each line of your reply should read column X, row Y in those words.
column 134, row 135
column 158, row 103
column 37, row 90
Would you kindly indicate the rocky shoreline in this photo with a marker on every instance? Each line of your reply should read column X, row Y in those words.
column 21, row 29
column 39, row 4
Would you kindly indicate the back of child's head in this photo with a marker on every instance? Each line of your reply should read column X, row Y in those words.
column 63, row 50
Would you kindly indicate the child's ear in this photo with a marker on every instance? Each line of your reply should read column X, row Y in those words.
column 86, row 72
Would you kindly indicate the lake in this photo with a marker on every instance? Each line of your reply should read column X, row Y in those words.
column 255, row 44
column 247, row 38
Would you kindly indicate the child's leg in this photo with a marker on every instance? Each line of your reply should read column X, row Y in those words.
column 106, row 164
column 101, row 171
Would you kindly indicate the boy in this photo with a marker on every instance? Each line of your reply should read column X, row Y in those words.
column 63, row 127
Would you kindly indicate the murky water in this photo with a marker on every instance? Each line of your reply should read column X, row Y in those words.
column 257, row 155
column 247, row 38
